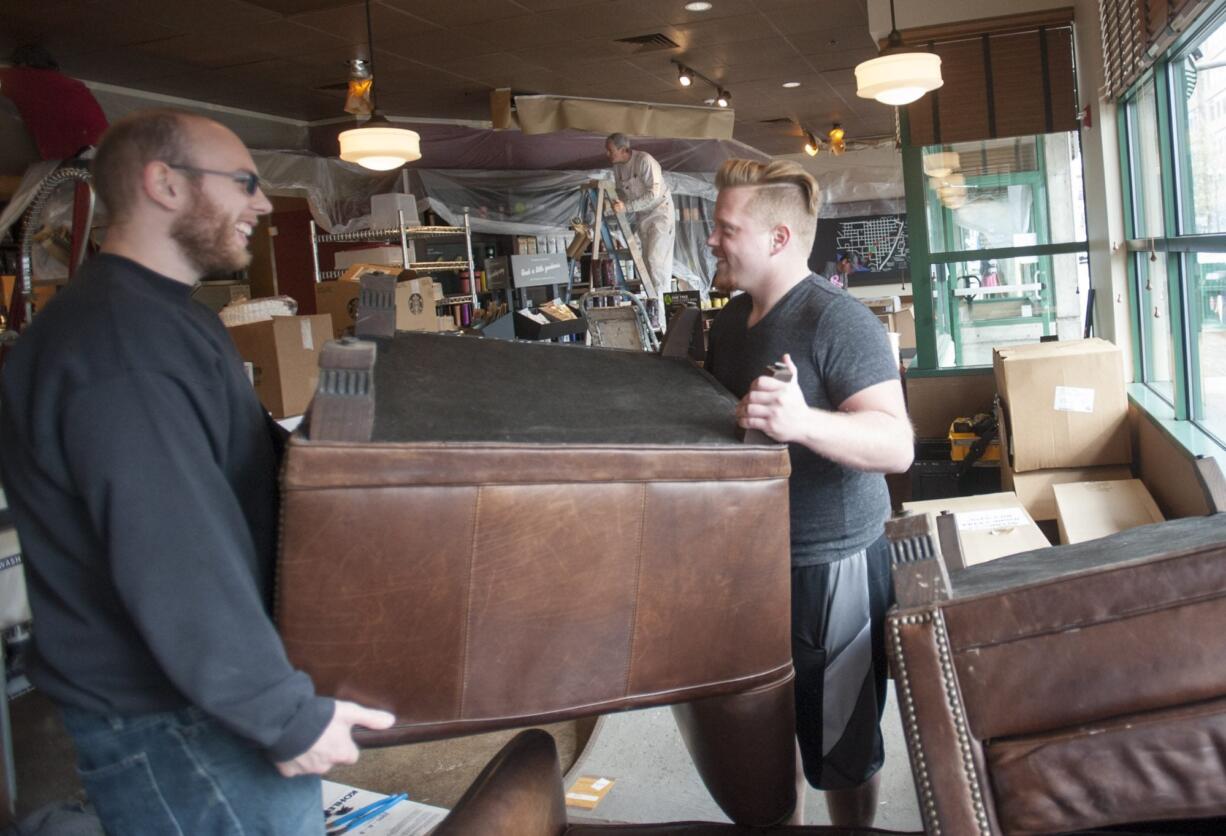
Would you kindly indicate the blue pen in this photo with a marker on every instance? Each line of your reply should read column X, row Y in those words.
column 363, row 814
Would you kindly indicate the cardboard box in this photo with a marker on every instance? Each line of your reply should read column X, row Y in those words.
column 904, row 326
column 1034, row 487
column 934, row 402
column 44, row 292
column 416, row 305
column 1065, row 404
column 384, row 210
column 990, row 525
column 385, row 256
column 1089, row 510
column 216, row 295
column 338, row 299
column 283, row 357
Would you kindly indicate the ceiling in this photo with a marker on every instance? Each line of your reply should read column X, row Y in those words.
column 441, row 58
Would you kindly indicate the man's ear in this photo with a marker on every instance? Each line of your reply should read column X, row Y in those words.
column 160, row 185
column 780, row 236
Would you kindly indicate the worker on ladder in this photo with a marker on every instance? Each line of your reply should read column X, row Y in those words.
column 642, row 192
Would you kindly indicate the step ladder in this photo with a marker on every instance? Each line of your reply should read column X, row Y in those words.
column 596, row 198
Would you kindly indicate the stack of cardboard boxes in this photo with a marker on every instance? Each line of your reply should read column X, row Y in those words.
column 1063, row 416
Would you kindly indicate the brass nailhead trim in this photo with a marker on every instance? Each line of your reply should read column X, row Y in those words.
column 950, row 686
column 919, row 764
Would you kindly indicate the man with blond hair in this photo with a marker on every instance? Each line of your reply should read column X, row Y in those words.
column 142, row 473
column 843, row 418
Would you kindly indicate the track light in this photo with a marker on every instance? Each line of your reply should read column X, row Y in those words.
column 812, row 145
column 686, row 76
column 837, row 145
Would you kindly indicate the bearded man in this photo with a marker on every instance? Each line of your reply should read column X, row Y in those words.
column 142, row 473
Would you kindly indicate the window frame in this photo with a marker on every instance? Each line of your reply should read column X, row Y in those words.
column 1172, row 242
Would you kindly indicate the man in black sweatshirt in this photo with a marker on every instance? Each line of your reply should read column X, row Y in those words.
column 142, row 473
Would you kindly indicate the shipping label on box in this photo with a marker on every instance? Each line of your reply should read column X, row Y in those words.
column 989, row 525
column 284, row 357
column 1065, row 403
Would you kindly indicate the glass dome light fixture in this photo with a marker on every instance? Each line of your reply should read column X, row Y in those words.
column 898, row 78
column 377, row 144
column 941, row 164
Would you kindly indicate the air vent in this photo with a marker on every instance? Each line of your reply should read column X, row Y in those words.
column 649, row 43
column 779, row 120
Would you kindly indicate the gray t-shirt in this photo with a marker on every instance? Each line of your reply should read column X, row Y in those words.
column 839, row 348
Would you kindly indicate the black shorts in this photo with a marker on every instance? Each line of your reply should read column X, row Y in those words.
column 838, row 650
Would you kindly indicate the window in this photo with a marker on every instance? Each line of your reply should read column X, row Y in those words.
column 1175, row 165
column 1006, row 236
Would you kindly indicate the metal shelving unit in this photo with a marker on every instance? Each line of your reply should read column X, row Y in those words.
column 404, row 234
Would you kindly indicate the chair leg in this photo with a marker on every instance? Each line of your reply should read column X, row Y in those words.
column 744, row 748
column 519, row 793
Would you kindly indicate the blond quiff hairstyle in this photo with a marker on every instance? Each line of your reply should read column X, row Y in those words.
column 784, row 193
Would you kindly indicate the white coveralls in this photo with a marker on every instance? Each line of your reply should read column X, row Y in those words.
column 640, row 185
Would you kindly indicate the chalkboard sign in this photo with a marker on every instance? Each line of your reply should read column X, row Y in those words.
column 877, row 245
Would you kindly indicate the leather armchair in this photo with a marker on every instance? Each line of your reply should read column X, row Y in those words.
column 1068, row 688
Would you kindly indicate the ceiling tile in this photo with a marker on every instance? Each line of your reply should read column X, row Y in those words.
column 838, row 61
column 349, row 24
column 455, row 13
column 820, row 16
column 121, row 66
column 675, row 12
column 725, row 30
column 210, row 51
column 186, row 16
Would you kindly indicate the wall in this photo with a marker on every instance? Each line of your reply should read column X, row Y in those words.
column 1104, row 201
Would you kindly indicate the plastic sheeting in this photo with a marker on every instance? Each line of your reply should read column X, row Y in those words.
column 499, row 202
column 545, row 202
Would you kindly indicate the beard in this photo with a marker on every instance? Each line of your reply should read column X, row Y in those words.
column 206, row 237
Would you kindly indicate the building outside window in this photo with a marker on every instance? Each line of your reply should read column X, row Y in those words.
column 1006, row 234
column 1174, row 160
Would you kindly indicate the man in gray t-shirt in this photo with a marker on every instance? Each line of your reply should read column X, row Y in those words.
column 845, row 423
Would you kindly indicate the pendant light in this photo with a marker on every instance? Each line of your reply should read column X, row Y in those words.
column 378, row 144
column 898, row 78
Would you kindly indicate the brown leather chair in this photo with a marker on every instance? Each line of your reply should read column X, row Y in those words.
column 513, row 534
column 1068, row 688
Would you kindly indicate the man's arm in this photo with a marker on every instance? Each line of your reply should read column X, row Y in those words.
column 870, row 431
column 183, row 562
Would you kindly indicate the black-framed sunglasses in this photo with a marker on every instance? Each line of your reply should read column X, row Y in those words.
column 249, row 180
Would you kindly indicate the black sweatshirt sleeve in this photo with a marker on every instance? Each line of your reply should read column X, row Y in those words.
column 182, row 556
